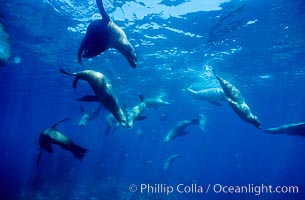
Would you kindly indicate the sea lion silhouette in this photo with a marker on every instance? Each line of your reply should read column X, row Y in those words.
column 51, row 136
column 289, row 129
column 103, row 34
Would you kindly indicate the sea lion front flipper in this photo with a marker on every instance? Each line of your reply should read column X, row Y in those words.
column 82, row 109
column 216, row 75
column 88, row 98
column 181, row 133
column 61, row 70
column 75, row 81
column 70, row 74
column 49, row 148
column 141, row 97
column 270, row 130
column 60, row 121
column 229, row 100
column 38, row 157
column 80, row 52
column 141, row 117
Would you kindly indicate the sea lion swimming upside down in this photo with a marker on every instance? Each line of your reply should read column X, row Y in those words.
column 237, row 102
column 103, row 34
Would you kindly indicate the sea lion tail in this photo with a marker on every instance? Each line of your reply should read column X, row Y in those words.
column 78, row 151
column 101, row 8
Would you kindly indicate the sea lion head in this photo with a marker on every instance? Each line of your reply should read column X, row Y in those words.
column 255, row 121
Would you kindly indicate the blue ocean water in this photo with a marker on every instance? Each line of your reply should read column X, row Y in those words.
column 259, row 46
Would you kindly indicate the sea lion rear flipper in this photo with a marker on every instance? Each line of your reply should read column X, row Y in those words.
column 101, row 8
column 202, row 119
column 110, row 130
column 78, row 151
column 88, row 98
column 215, row 74
column 216, row 103
column 302, row 124
column 70, row 74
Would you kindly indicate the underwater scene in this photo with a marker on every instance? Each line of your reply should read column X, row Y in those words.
column 152, row 99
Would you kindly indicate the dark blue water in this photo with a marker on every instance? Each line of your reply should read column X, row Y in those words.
column 259, row 46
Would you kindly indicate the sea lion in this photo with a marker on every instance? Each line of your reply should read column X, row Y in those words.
column 156, row 102
column 111, row 124
column 147, row 161
column 237, row 102
column 88, row 116
column 179, row 129
column 135, row 113
column 104, row 93
column 211, row 95
column 103, row 34
column 51, row 136
column 169, row 161
column 289, row 129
